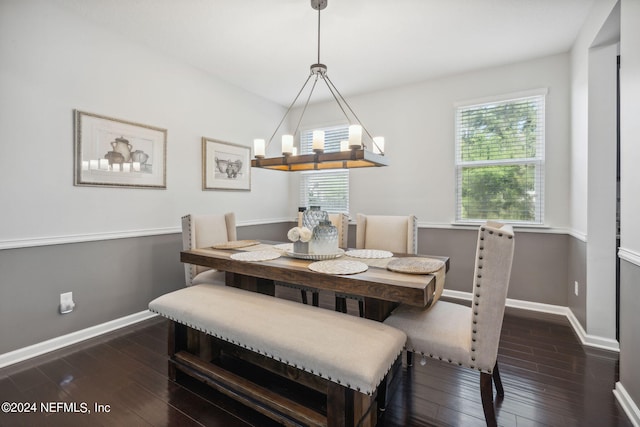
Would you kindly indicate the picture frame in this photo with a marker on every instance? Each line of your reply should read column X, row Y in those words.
column 225, row 166
column 111, row 152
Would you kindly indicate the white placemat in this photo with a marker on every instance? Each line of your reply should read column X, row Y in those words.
column 338, row 267
column 256, row 255
column 284, row 247
column 415, row 265
column 369, row 253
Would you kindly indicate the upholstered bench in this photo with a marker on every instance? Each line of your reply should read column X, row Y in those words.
column 239, row 341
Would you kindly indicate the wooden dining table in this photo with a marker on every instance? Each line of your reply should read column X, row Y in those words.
column 381, row 289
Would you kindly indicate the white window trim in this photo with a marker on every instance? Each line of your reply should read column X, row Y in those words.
column 539, row 161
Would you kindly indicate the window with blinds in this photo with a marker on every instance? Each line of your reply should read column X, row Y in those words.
column 500, row 160
column 328, row 189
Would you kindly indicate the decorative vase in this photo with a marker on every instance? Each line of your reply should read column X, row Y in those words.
column 325, row 238
column 301, row 247
column 313, row 216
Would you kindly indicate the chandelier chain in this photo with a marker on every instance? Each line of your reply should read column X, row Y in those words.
column 306, row 103
column 326, row 77
column 289, row 109
column 318, row 36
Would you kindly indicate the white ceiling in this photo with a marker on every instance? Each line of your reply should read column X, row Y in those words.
column 267, row 46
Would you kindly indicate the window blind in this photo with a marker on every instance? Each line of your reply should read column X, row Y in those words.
column 328, row 189
column 500, row 160
column 332, row 138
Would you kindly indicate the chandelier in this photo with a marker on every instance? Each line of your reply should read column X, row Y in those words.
column 353, row 152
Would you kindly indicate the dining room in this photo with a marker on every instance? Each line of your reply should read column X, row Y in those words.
column 84, row 252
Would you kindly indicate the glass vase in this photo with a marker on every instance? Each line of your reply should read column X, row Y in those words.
column 313, row 216
column 325, row 238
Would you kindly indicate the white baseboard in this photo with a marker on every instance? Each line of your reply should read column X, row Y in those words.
column 591, row 340
column 627, row 403
column 34, row 350
column 585, row 339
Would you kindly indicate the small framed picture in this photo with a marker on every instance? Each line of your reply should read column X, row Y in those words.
column 117, row 153
column 225, row 166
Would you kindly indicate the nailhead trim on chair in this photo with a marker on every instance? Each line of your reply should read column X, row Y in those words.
column 477, row 302
column 475, row 312
column 188, row 217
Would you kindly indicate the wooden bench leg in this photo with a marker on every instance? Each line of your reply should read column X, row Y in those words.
column 348, row 408
column 339, row 406
column 176, row 341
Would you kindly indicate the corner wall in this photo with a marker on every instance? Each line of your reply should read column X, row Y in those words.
column 583, row 196
column 628, row 389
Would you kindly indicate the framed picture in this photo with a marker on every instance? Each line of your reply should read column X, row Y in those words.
column 225, row 166
column 117, row 153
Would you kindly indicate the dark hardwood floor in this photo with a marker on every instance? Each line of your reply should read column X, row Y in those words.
column 548, row 377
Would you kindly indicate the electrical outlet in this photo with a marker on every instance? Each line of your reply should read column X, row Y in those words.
column 66, row 303
column 575, row 287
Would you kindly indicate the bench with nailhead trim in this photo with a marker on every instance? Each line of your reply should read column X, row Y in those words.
column 295, row 363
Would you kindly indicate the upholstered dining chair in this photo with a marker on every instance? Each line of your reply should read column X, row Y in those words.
column 389, row 233
column 200, row 231
column 385, row 232
column 341, row 222
column 462, row 335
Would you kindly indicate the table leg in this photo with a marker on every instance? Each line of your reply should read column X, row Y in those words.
column 378, row 310
column 249, row 283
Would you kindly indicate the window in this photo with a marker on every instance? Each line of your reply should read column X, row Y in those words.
column 500, row 159
column 328, row 189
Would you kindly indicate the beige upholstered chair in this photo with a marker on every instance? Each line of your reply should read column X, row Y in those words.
column 390, row 233
column 468, row 336
column 199, row 231
column 341, row 222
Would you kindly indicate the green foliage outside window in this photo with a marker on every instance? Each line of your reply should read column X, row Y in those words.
column 498, row 192
column 500, row 161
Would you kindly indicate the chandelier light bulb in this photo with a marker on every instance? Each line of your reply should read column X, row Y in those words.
column 355, row 137
column 317, row 144
column 258, row 148
column 287, row 144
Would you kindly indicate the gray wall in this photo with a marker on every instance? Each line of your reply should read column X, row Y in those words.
column 109, row 279
column 539, row 272
column 115, row 278
column 630, row 202
column 629, row 321
column 577, row 271
column 275, row 232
